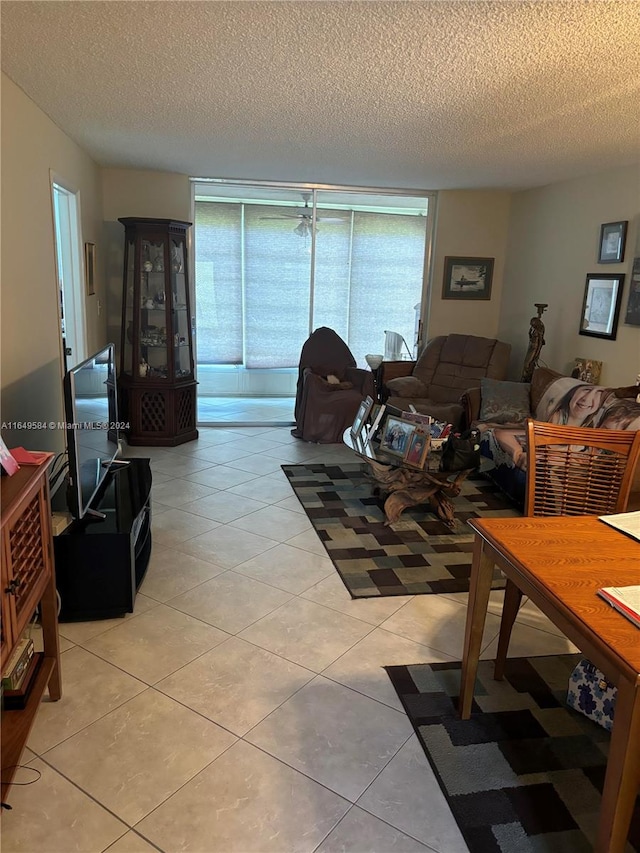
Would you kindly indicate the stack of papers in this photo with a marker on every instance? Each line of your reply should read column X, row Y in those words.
column 627, row 522
column 625, row 599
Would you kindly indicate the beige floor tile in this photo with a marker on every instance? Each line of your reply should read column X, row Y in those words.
column 334, row 735
column 362, row 667
column 332, row 593
column 288, row 568
column 359, row 831
column 221, row 477
column 306, row 633
column 256, row 464
column 530, row 641
column 235, row 684
column 178, row 492
column 230, row 601
column 221, row 453
column 223, row 506
column 176, row 525
column 171, row 573
column 179, row 465
column 292, row 504
column 91, row 688
column 273, row 522
column 436, row 622
column 131, row 843
column 269, row 489
column 407, row 795
column 308, row 540
column 160, row 643
column 255, row 444
column 80, row 632
column 246, row 802
column 53, row 816
column 141, row 753
column 226, row 546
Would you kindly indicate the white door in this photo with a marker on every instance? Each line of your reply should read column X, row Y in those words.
column 70, row 274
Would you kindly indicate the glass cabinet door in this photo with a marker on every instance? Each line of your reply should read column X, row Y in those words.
column 129, row 336
column 153, row 361
column 182, row 363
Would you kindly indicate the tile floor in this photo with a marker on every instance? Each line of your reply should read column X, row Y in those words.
column 266, row 410
column 242, row 707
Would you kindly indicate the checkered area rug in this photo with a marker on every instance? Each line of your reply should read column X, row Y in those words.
column 525, row 773
column 418, row 554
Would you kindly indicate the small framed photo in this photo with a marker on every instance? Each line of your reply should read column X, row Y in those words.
column 7, row 462
column 361, row 416
column 601, row 305
column 417, row 449
column 587, row 370
column 613, row 236
column 90, row 267
column 467, row 278
column 396, row 435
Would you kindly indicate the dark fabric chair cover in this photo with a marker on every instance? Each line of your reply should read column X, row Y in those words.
column 323, row 411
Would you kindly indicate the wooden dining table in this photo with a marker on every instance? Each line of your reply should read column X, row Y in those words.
column 560, row 563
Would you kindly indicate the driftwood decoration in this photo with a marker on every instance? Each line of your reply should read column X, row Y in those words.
column 409, row 488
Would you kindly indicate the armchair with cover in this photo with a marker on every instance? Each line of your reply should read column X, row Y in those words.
column 448, row 366
column 326, row 407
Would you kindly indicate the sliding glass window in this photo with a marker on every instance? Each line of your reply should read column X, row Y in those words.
column 268, row 273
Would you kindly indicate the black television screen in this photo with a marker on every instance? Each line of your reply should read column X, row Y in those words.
column 91, row 413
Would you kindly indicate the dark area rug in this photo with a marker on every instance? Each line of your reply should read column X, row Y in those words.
column 525, row 773
column 418, row 554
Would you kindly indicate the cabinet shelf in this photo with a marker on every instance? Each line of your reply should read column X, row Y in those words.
column 157, row 335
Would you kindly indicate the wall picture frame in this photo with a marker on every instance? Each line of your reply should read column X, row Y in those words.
column 396, row 435
column 613, row 236
column 601, row 305
column 632, row 314
column 467, row 278
column 90, row 267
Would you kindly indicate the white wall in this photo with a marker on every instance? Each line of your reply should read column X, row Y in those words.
column 31, row 379
column 468, row 224
column 553, row 243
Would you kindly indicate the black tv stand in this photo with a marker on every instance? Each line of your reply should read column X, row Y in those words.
column 101, row 562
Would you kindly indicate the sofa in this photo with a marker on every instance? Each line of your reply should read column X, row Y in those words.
column 448, row 366
column 500, row 409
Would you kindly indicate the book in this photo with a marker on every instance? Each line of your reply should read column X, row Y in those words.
column 625, row 599
column 28, row 457
column 627, row 522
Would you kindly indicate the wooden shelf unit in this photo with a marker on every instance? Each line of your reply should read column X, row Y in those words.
column 28, row 580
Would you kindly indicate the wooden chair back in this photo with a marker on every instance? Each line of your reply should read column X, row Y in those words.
column 579, row 470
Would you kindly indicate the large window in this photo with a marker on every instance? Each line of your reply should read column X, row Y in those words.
column 265, row 279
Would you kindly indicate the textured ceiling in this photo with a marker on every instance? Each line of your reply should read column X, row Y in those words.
column 392, row 94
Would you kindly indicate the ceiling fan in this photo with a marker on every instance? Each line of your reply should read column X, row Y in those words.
column 304, row 217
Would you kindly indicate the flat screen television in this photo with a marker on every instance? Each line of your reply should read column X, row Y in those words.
column 91, row 413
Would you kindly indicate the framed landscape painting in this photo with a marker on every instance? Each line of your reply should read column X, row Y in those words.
column 467, row 278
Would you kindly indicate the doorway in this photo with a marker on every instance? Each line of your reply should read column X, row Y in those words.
column 70, row 276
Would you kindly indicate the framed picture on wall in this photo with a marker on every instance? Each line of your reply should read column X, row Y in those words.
column 632, row 315
column 612, row 239
column 601, row 305
column 467, row 278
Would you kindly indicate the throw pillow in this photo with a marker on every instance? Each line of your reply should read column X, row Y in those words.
column 504, row 402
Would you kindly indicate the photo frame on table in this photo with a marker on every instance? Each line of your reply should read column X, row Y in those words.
column 90, row 267
column 467, row 278
column 613, row 236
column 396, row 435
column 632, row 314
column 587, row 370
column 7, row 462
column 601, row 305
column 417, row 449
column 361, row 417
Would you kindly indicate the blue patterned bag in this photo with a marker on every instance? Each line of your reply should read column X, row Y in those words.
column 591, row 694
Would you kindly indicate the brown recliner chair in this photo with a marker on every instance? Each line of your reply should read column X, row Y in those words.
column 324, row 409
column 448, row 366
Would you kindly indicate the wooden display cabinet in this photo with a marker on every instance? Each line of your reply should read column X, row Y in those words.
column 157, row 379
column 28, row 581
